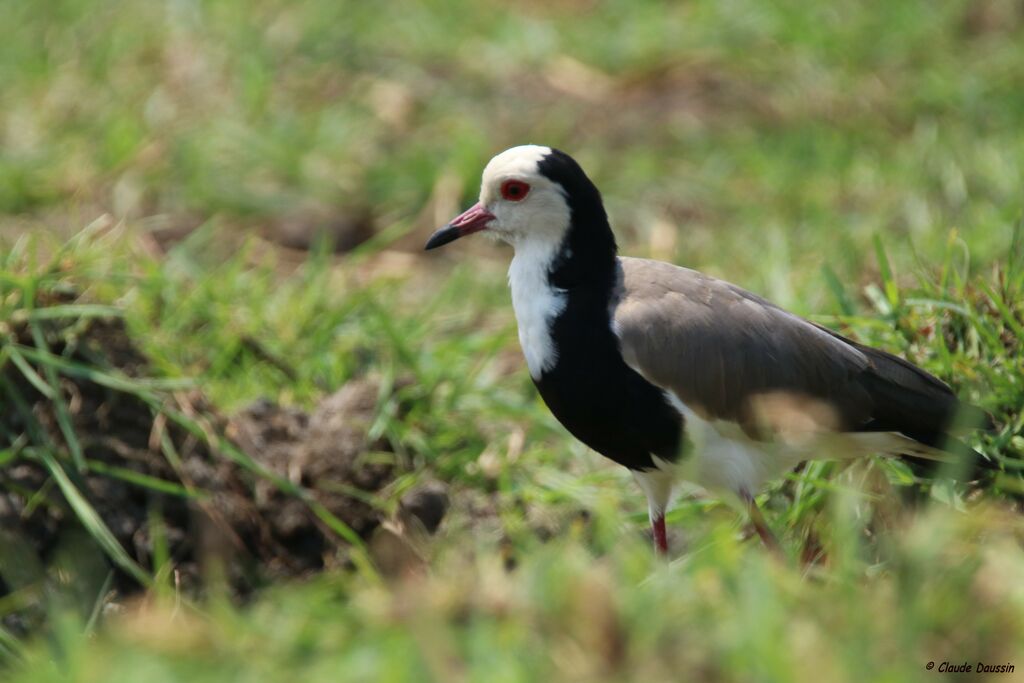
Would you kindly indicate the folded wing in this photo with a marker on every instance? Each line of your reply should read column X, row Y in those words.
column 724, row 351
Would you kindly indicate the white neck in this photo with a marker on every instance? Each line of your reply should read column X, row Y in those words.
column 535, row 301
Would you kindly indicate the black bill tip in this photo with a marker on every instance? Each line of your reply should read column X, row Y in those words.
column 448, row 233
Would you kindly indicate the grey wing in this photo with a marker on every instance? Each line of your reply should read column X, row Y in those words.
column 718, row 347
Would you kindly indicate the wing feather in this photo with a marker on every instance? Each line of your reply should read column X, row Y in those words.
column 720, row 348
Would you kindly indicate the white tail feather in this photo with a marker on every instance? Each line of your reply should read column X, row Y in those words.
column 893, row 444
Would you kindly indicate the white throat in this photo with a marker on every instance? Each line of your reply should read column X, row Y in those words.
column 536, row 302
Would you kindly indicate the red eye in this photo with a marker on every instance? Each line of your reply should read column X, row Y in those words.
column 514, row 190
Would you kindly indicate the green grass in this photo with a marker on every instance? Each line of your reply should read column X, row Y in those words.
column 859, row 163
column 726, row 612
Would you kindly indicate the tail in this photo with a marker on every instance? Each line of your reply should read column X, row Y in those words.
column 922, row 413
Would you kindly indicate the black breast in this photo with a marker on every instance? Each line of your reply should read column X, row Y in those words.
column 601, row 400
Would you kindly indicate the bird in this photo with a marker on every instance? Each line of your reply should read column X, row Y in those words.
column 679, row 376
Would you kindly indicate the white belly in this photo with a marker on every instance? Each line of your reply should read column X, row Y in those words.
column 725, row 460
column 722, row 460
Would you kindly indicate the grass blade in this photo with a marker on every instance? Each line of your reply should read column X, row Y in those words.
column 1008, row 317
column 143, row 480
column 91, row 520
column 142, row 388
column 10, row 647
column 60, row 406
column 58, row 311
column 885, row 270
column 99, row 604
column 837, row 289
column 30, row 373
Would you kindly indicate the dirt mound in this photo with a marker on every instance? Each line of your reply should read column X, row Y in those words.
column 167, row 474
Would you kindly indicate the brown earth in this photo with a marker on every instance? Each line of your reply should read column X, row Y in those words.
column 221, row 516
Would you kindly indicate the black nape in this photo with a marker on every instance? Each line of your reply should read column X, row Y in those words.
column 588, row 253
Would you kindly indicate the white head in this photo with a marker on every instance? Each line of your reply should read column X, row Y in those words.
column 518, row 202
column 540, row 201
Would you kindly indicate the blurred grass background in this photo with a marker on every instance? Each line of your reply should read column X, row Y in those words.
column 859, row 162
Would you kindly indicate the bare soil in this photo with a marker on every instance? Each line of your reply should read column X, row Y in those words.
column 222, row 517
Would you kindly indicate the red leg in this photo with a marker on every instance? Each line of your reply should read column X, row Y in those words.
column 660, row 538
